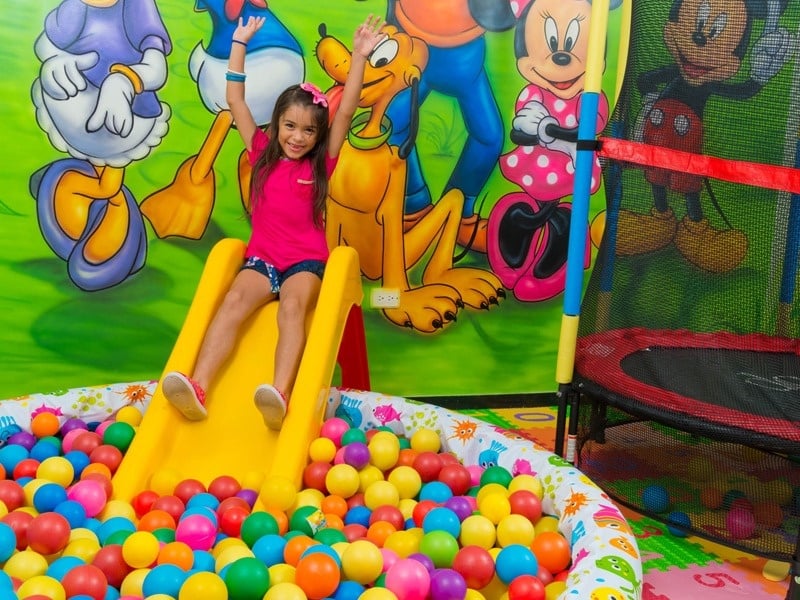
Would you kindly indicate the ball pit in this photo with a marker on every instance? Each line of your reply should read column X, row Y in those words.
column 402, row 510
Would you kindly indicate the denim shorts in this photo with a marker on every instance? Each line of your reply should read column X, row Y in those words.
column 276, row 277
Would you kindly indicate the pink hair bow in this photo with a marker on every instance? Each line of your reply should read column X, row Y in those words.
column 316, row 94
column 517, row 6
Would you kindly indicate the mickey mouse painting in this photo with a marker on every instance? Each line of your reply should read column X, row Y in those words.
column 708, row 41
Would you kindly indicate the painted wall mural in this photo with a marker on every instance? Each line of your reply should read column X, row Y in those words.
column 118, row 177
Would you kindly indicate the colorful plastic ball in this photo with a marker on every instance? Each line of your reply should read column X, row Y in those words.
column 19, row 520
column 22, row 438
column 456, row 477
column 446, row 584
column 406, row 480
column 655, row 498
column 285, row 590
column 164, row 579
column 462, row 506
column 477, row 530
column 408, row 579
column 86, row 441
column 362, row 562
column 201, row 500
column 79, row 462
column 26, row 468
column 62, row 565
column 496, row 474
column 140, row 549
column 442, row 519
column 10, row 455
column 515, row 529
column 741, row 523
column 354, row 531
column 197, row 531
column 441, row 546
column 188, row 488
column 256, row 525
column 349, row 590
column 8, row 541
column 525, row 503
column 48, row 496
column 435, row 490
column 526, row 587
column 25, row 564
column 428, row 465
column 333, row 429
column 314, row 475
column 552, row 551
column 48, row 533
column 494, row 506
column 513, row 561
column 384, row 449
column 110, row 561
column 171, row 504
column 678, row 523
column 354, row 434
column 224, row 486
column 120, row 435
column 425, row 439
column 342, row 480
column 357, row 454
column 524, row 481
column 44, row 424
column 389, row 513
column 203, row 585
column 90, row 494
column 127, row 414
column 230, row 521
column 475, row 565
column 85, row 580
column 45, row 449
column 317, row 574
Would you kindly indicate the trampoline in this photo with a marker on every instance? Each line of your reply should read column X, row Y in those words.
column 679, row 358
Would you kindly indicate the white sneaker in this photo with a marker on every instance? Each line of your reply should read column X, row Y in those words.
column 185, row 395
column 272, row 405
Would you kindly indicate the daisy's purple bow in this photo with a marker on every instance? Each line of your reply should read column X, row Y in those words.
column 316, row 94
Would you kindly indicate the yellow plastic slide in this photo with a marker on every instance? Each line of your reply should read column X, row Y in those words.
column 233, row 440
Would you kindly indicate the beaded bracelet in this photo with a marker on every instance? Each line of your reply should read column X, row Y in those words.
column 235, row 76
column 239, row 42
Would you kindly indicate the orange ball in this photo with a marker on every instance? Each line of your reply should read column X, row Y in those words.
column 333, row 521
column 711, row 498
column 552, row 551
column 156, row 519
column 318, row 575
column 45, row 424
column 295, row 547
column 281, row 518
column 379, row 531
column 96, row 468
column 334, row 505
column 406, row 458
column 176, row 553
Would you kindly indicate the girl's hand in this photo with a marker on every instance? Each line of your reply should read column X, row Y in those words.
column 368, row 35
column 245, row 31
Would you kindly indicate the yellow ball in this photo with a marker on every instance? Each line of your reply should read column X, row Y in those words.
column 130, row 415
column 407, row 481
column 546, row 523
column 230, row 555
column 322, row 449
column 133, row 582
column 515, row 529
column 494, row 507
column 25, row 565
column 402, row 543
column 281, row 573
column 56, row 469
column 29, row 489
column 406, row 506
column 342, row 480
column 83, row 548
column 117, row 508
column 140, row 549
column 384, row 450
column 44, row 586
column 527, row 482
column 367, row 476
column 477, row 530
column 490, row 488
column 426, row 440
column 378, row 593
column 82, row 533
column 224, row 544
column 362, row 561
column 285, row 591
column 473, row 595
column 308, row 497
column 278, row 493
column 380, row 493
column 554, row 589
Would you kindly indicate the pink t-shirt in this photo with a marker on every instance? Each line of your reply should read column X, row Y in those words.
column 284, row 232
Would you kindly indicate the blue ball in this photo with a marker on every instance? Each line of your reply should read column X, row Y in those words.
column 437, row 491
column 204, row 561
column 79, row 461
column 349, row 590
column 8, row 542
column 678, row 523
column 444, row 519
column 269, row 549
column 44, row 449
column 48, row 496
column 73, row 512
column 655, row 498
column 11, row 455
column 359, row 515
column 63, row 565
column 112, row 526
column 164, row 579
column 203, row 499
column 515, row 560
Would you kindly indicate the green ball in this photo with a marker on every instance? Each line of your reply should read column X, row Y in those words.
column 164, row 534
column 496, row 474
column 353, row 434
column 117, row 538
column 440, row 546
column 405, row 443
column 120, row 435
column 307, row 519
column 247, row 578
column 330, row 536
column 256, row 525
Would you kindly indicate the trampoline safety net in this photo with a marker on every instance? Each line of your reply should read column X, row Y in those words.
column 687, row 362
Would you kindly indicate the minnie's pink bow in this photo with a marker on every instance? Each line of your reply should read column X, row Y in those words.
column 316, row 94
column 517, row 6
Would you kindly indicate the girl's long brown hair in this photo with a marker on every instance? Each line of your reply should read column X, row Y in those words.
column 273, row 153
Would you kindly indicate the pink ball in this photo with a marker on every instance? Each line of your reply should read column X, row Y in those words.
column 390, row 558
column 334, row 429
column 741, row 523
column 196, row 531
column 338, row 458
column 69, row 438
column 408, row 579
column 90, row 494
column 101, row 429
column 475, row 472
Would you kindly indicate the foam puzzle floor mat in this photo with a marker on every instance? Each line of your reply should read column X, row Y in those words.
column 674, row 567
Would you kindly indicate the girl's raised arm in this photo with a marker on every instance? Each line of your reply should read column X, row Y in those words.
column 234, row 90
column 366, row 37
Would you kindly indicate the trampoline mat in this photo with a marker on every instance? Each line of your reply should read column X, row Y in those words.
column 749, row 382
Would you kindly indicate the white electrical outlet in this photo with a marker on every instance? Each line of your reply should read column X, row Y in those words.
column 384, row 298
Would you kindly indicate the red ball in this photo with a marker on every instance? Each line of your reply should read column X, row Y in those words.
column 223, row 487
column 231, row 502
column 427, row 464
column 86, row 442
column 143, row 502
column 170, row 504
column 110, row 561
column 475, row 565
column 19, row 521
column 356, row 499
column 188, row 488
column 422, row 508
column 107, row 455
column 526, row 587
column 552, row 551
column 314, row 475
column 11, row 494
column 448, row 458
column 48, row 533
column 354, row 531
column 390, row 514
column 456, row 477
column 25, row 468
column 527, row 504
column 230, row 522
column 86, row 580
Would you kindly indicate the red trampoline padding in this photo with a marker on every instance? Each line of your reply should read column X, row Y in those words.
column 601, row 359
